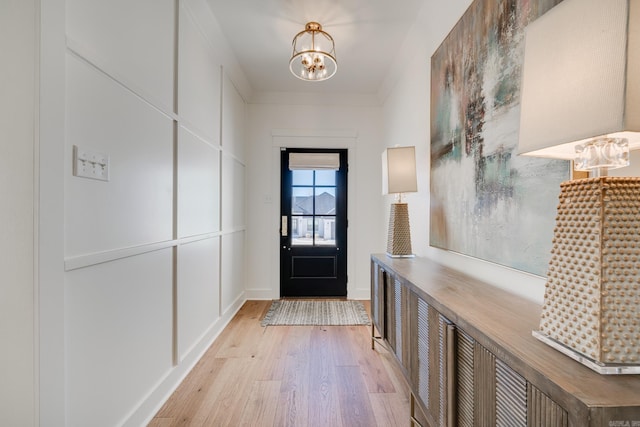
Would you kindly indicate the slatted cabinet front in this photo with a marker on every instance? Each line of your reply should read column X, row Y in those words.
column 490, row 393
column 432, row 361
column 454, row 379
column 404, row 319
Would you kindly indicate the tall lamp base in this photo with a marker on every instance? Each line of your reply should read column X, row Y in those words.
column 592, row 294
column 399, row 237
column 599, row 367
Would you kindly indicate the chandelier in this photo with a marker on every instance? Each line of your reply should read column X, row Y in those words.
column 314, row 54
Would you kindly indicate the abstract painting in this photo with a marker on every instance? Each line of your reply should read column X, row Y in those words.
column 486, row 201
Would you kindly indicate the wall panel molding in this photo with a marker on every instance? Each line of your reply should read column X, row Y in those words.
column 184, row 125
column 88, row 260
column 227, row 153
column 92, row 59
column 83, row 53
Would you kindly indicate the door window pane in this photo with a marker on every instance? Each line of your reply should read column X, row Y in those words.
column 302, row 177
column 302, row 230
column 325, row 201
column 302, row 201
column 325, row 231
column 326, row 177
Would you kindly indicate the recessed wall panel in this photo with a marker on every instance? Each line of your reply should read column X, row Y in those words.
column 135, row 206
column 198, row 186
column 233, row 268
column 198, row 81
column 233, row 119
column 118, row 326
column 233, row 190
column 133, row 39
column 198, row 291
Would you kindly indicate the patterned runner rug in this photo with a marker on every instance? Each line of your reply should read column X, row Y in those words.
column 326, row 313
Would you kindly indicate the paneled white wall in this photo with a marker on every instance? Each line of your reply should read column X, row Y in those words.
column 135, row 207
column 198, row 185
column 233, row 194
column 198, row 81
column 119, row 335
column 17, row 210
column 233, row 120
column 198, row 296
column 233, row 270
column 145, row 293
column 132, row 40
column 233, row 172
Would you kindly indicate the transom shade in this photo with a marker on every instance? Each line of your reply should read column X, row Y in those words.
column 315, row 161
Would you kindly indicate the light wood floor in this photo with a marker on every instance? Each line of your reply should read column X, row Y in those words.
column 289, row 376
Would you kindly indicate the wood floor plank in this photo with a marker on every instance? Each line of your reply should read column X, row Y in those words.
column 324, row 405
column 389, row 409
column 271, row 353
column 260, row 409
column 395, row 375
column 161, row 422
column 293, row 409
column 355, row 406
column 342, row 347
column 197, row 386
column 296, row 376
column 374, row 371
column 224, row 406
column 245, row 340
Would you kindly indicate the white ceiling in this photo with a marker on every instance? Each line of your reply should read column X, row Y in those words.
column 367, row 34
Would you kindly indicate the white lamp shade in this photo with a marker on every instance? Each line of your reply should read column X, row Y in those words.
column 399, row 170
column 581, row 77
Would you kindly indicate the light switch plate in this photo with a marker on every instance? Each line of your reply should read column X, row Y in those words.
column 90, row 164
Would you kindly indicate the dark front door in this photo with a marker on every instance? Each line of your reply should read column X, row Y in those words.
column 313, row 223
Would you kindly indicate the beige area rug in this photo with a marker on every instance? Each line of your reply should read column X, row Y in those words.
column 325, row 313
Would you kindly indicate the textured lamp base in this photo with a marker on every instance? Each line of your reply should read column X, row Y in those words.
column 599, row 367
column 592, row 295
column 399, row 237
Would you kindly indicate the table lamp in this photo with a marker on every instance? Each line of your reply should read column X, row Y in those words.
column 580, row 100
column 399, row 176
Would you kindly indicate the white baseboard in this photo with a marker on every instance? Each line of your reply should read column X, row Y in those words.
column 261, row 294
column 360, row 294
